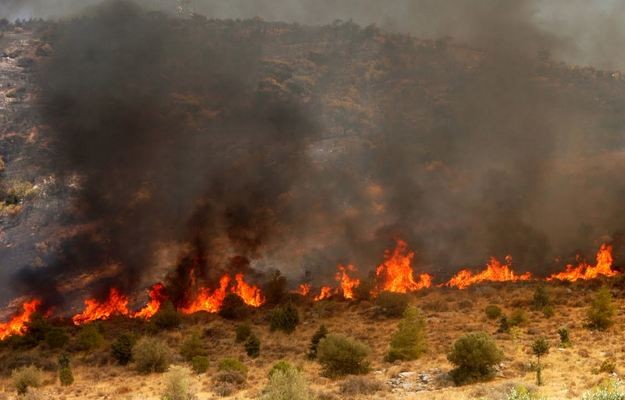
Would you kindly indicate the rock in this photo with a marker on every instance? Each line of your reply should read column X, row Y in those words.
column 425, row 378
column 405, row 375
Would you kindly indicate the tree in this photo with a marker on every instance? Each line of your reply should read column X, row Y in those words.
column 340, row 356
column 565, row 341
column 601, row 312
column 409, row 342
column 540, row 347
column 121, row 349
column 474, row 356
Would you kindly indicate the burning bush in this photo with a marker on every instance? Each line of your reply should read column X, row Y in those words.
column 601, row 312
column 340, row 356
column 321, row 333
column 178, row 384
column 474, row 356
column 121, row 349
column 409, row 342
column 233, row 307
column 151, row 355
column 492, row 311
column 288, row 384
column 392, row 304
column 26, row 377
column 284, row 318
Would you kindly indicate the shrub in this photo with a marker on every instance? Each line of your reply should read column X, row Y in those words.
column 541, row 298
column 360, row 386
column 565, row 341
column 192, row 347
column 167, row 317
column 339, row 356
column 233, row 307
column 56, row 338
column 89, row 338
column 504, row 325
column 518, row 317
column 465, row 304
column 409, row 342
column 474, row 356
column 26, row 377
column 492, row 311
column 178, row 384
column 275, row 288
column 289, row 384
column 521, row 393
column 540, row 347
column 280, row 366
column 608, row 391
column 284, row 318
column 314, row 342
column 362, row 292
column 151, row 355
column 66, row 377
column 392, row 304
column 121, row 349
column 242, row 332
column 601, row 312
column 230, row 377
column 230, row 364
column 199, row 364
column 549, row 311
column 252, row 346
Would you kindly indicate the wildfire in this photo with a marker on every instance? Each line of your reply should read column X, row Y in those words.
column 495, row 272
column 303, row 289
column 250, row 294
column 211, row 300
column 115, row 304
column 347, row 284
column 157, row 296
column 325, row 293
column 17, row 325
column 395, row 274
column 584, row 271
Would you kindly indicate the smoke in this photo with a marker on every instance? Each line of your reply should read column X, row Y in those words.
column 201, row 138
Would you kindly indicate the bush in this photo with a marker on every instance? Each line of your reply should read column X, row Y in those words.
column 242, row 332
column 339, row 356
column 233, row 307
column 275, row 288
column 121, row 349
column 26, row 377
column 474, row 356
column 230, row 364
column 252, row 346
column 66, row 377
column 192, row 347
column 540, row 347
column 89, row 338
column 178, row 384
column 199, row 364
column 56, row 338
column 362, row 292
column 565, row 341
column 608, row 391
column 492, row 311
column 541, row 298
column 167, row 317
column 392, row 304
column 284, row 318
column 601, row 312
column 409, row 342
column 360, row 386
column 280, row 366
column 227, row 382
column 504, row 325
column 518, row 317
column 549, row 311
column 289, row 384
column 521, row 393
column 314, row 342
column 151, row 355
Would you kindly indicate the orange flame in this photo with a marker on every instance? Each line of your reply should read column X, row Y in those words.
column 250, row 294
column 325, row 293
column 303, row 289
column 115, row 304
column 494, row 272
column 157, row 296
column 17, row 325
column 395, row 274
column 211, row 301
column 584, row 271
column 347, row 284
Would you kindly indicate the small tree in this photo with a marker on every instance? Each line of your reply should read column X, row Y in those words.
column 565, row 341
column 66, row 377
column 151, row 355
column 601, row 312
column 321, row 333
column 541, row 298
column 284, row 318
column 252, row 346
column 340, row 356
column 409, row 342
column 192, row 346
column 121, row 349
column 540, row 347
column 474, row 356
column 178, row 384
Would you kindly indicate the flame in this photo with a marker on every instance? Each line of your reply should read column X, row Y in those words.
column 18, row 323
column 157, row 296
column 395, row 274
column 303, row 289
column 115, row 304
column 325, row 293
column 211, row 301
column 347, row 284
column 584, row 271
column 250, row 294
column 494, row 272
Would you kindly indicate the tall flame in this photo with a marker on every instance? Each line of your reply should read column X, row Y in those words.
column 395, row 274
column 115, row 304
column 584, row 271
column 211, row 300
column 494, row 272
column 157, row 296
column 325, row 293
column 250, row 294
column 347, row 284
column 18, row 324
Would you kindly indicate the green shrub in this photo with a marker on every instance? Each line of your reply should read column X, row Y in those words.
column 230, row 364
column 242, row 332
column 66, row 377
column 610, row 390
column 233, row 307
column 565, row 341
column 474, row 356
column 409, row 342
column 199, row 364
column 549, row 311
column 314, row 342
column 601, row 312
column 193, row 346
column 167, row 317
column 252, row 346
column 56, row 338
column 151, row 355
column 517, row 317
column 280, row 366
column 541, row 298
column 178, row 384
column 392, row 304
column 540, row 347
column 339, row 356
column 89, row 338
column 289, row 384
column 121, row 349
column 26, row 377
column 284, row 318
column 521, row 393
column 492, row 311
